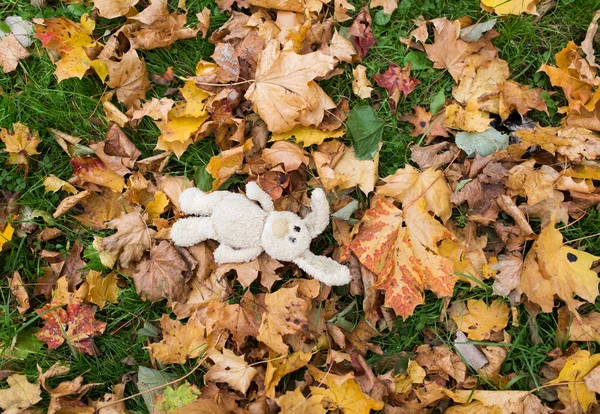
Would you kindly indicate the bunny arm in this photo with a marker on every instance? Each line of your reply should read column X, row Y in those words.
column 192, row 230
column 225, row 254
column 318, row 219
column 255, row 193
column 197, row 202
column 324, row 269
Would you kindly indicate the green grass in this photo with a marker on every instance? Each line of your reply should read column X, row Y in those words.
column 30, row 95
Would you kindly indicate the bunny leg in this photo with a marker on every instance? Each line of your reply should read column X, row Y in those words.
column 255, row 193
column 324, row 269
column 225, row 254
column 192, row 230
column 197, row 202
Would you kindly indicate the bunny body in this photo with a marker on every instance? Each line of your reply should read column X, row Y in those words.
column 245, row 229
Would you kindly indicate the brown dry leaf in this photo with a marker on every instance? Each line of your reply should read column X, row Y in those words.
column 180, row 342
column 536, row 185
column 285, row 314
column 242, row 319
column 102, row 208
column 343, row 392
column 164, row 274
column 66, row 395
column 408, row 185
column 440, row 360
column 20, row 394
column 284, row 93
column 15, row 284
column 101, row 289
column 481, row 84
column 296, row 6
column 111, row 403
column 576, row 144
column 129, row 77
column 584, row 330
column 204, row 21
column 277, row 368
column 402, row 249
column 503, row 7
column 340, row 48
column 433, row 156
column 421, row 120
column 295, row 402
column 11, row 51
column 551, row 268
column 110, row 9
column 230, row 368
column 508, row 279
column 341, row 9
column 495, row 402
column 361, row 86
column 131, row 240
column 68, row 202
column 291, row 155
column 117, row 151
column 478, row 320
column 514, row 96
column 388, row 5
column 20, row 144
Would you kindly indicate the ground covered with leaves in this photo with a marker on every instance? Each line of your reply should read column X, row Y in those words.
column 458, row 145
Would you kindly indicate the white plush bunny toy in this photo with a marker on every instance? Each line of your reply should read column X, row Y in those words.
column 244, row 230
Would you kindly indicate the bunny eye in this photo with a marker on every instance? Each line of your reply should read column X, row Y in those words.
column 292, row 239
column 297, row 229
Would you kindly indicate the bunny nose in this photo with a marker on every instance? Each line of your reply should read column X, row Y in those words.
column 280, row 228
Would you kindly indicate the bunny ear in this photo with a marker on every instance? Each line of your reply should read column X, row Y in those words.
column 318, row 219
column 324, row 269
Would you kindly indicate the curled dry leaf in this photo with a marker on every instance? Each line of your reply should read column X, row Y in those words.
column 284, row 92
column 11, row 52
column 131, row 240
column 361, row 86
column 230, row 368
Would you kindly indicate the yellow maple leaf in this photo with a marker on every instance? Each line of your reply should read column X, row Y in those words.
column 224, row 165
column 408, row 184
column 503, row 7
column 6, row 235
column 478, row 320
column 343, row 393
column 469, row 118
column 308, row 136
column 180, row 342
column 53, row 183
column 578, row 366
column 295, row 402
column 553, row 269
column 100, row 290
column 157, row 206
column 277, row 368
column 20, row 395
column 20, row 144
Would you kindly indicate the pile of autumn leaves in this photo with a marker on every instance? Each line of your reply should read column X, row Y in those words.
column 257, row 93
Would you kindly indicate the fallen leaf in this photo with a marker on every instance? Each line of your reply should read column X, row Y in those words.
column 101, row 208
column 478, row 320
column 308, row 136
column 573, row 373
column 291, row 155
column 483, row 143
column 53, row 183
column 388, row 5
column 161, row 275
column 469, row 352
column 93, row 170
column 180, row 342
column 408, row 185
column 17, row 289
column 11, row 51
column 242, row 319
column 157, row 205
column 231, row 369
column 285, row 314
column 67, row 203
column 129, row 78
column 361, row 86
column 20, row 395
column 284, row 92
column 401, row 248
column 295, row 402
column 496, row 401
column 365, row 130
column 575, row 144
column 204, row 21
column 131, row 240
column 101, row 289
column 343, row 393
column 396, row 81
column 6, row 235
column 503, row 7
column 551, row 268
column 469, row 119
column 20, row 144
column 421, row 120
column 224, row 165
column 277, row 368
column 439, row 360
column 110, row 9
column 360, row 30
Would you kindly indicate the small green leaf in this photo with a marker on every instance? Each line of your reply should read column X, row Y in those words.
column 461, row 184
column 175, row 399
column 4, row 27
column 365, row 130
column 381, row 18
column 25, row 345
column 149, row 330
column 150, row 378
column 437, row 102
column 483, row 143
column 419, row 60
column 91, row 255
column 203, row 178
column 77, row 10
